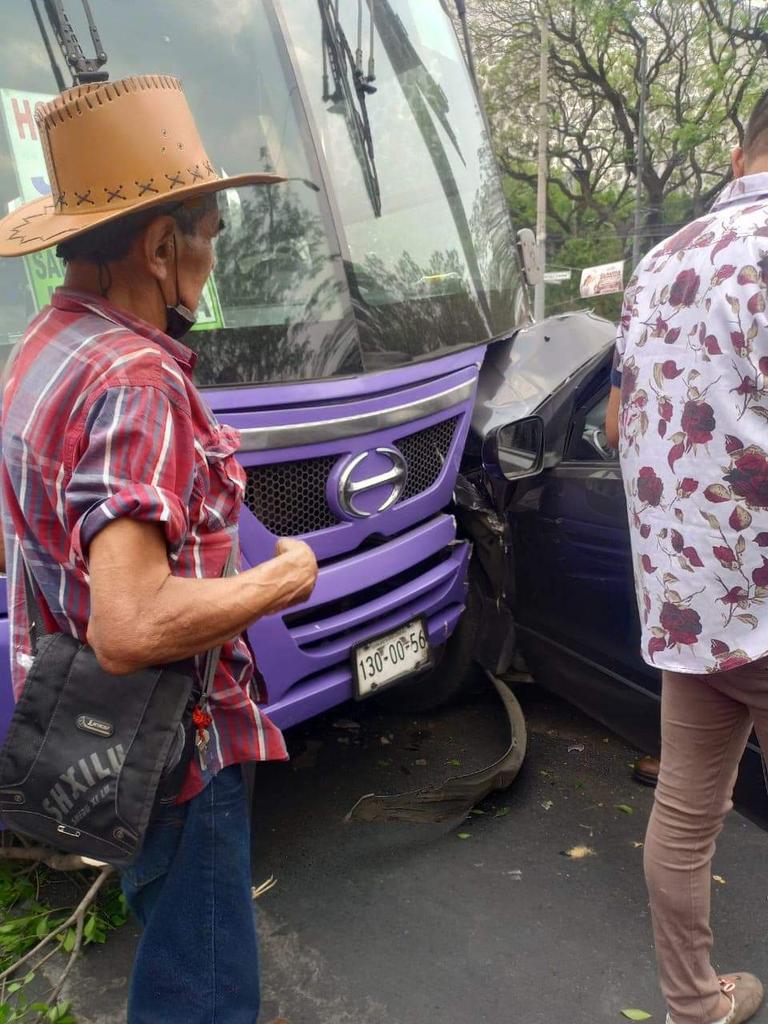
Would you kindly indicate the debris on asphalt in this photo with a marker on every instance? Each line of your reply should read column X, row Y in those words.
column 548, row 804
column 625, row 808
column 636, row 1014
column 637, row 846
column 346, row 723
column 384, row 740
column 308, row 757
column 258, row 891
column 579, row 852
column 421, row 762
column 454, row 762
column 464, row 835
column 502, row 812
column 578, row 747
column 454, row 798
column 719, row 879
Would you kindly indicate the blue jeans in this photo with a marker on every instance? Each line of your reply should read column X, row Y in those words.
column 197, row 960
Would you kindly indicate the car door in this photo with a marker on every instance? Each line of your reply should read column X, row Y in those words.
column 573, row 562
column 575, row 607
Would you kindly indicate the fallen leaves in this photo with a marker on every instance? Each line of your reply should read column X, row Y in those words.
column 636, row 1014
column 580, row 852
column 464, row 835
column 625, row 808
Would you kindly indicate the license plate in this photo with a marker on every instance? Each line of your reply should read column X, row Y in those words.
column 392, row 656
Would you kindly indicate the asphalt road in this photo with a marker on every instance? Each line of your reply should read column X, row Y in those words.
column 382, row 924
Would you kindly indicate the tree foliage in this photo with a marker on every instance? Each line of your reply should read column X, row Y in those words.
column 706, row 64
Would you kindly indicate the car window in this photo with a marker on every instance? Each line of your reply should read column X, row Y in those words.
column 589, row 441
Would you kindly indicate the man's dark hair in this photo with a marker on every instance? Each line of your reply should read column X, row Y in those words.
column 112, row 241
column 756, row 135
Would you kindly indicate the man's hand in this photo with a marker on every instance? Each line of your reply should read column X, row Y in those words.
column 299, row 561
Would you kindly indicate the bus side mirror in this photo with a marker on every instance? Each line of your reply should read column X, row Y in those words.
column 528, row 252
column 515, row 450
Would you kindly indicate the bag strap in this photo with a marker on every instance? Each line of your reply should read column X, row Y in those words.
column 35, row 616
column 212, row 657
column 37, row 628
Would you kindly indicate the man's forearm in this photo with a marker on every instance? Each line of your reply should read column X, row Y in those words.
column 187, row 616
column 142, row 615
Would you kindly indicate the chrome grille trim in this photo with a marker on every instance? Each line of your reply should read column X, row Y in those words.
column 289, row 498
column 261, row 439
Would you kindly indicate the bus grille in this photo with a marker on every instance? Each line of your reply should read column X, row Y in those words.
column 425, row 454
column 289, row 497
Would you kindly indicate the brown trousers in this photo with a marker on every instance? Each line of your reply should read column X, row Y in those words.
column 706, row 722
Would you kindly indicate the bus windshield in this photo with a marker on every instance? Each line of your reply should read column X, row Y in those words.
column 390, row 244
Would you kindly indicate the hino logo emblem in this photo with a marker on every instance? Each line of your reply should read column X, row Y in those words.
column 351, row 488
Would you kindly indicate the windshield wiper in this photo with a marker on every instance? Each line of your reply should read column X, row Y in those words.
column 351, row 87
column 84, row 69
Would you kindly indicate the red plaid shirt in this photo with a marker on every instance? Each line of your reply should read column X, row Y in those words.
column 101, row 419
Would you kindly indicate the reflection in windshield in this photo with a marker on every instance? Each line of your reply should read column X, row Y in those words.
column 426, row 98
column 300, row 291
column 272, row 277
column 436, row 268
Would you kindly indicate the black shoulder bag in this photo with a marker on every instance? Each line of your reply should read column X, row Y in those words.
column 88, row 755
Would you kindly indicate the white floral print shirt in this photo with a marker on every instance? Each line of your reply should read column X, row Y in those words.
column 692, row 363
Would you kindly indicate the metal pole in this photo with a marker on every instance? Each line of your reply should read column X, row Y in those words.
column 640, row 155
column 541, row 194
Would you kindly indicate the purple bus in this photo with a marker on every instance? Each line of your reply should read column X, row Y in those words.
column 349, row 312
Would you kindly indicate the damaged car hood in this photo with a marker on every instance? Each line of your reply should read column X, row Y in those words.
column 522, row 372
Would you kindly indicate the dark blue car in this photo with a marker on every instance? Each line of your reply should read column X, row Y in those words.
column 543, row 501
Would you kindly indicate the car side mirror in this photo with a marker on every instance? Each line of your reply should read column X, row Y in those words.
column 515, row 450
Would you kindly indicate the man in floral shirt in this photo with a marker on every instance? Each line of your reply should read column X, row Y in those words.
column 689, row 409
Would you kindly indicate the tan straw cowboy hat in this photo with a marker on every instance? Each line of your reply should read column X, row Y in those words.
column 114, row 148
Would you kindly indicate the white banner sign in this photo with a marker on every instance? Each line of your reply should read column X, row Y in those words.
column 555, row 276
column 18, row 110
column 602, row 280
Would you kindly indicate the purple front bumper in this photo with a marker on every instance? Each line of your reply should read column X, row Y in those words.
column 306, row 655
column 376, row 572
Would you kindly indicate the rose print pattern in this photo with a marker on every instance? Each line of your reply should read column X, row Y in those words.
column 649, row 487
column 693, row 357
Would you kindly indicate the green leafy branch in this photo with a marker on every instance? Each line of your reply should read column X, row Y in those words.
column 33, row 930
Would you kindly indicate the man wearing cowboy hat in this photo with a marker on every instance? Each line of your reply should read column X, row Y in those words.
column 122, row 493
